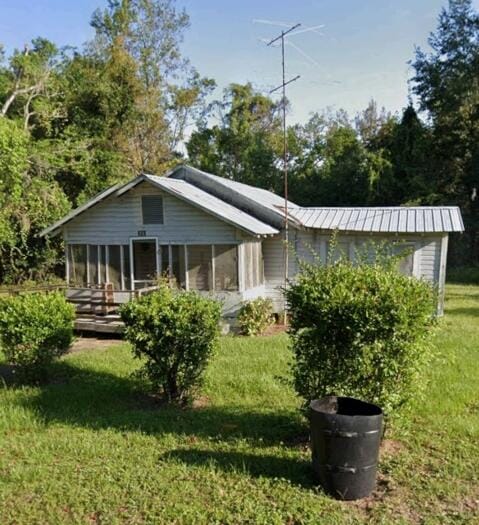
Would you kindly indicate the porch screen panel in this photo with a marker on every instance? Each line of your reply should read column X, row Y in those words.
column 260, row 264
column 114, row 266
column 255, row 247
column 248, row 252
column 164, row 260
column 93, row 264
column 199, row 267
column 126, row 267
column 178, row 266
column 226, row 267
column 102, row 264
column 77, row 262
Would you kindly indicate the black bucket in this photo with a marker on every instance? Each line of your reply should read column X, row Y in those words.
column 345, row 438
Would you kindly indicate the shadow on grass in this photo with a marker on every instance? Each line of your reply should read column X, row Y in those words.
column 270, row 466
column 100, row 400
column 472, row 311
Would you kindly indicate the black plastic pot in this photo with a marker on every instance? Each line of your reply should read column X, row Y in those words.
column 345, row 438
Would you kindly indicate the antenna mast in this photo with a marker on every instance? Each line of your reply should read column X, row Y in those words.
column 282, row 86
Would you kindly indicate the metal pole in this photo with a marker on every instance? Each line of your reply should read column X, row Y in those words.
column 285, row 158
column 285, row 169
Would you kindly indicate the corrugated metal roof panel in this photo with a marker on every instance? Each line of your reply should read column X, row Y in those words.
column 211, row 204
column 417, row 219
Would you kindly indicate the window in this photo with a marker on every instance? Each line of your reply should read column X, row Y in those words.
column 178, row 267
column 152, row 209
column 77, row 264
column 200, row 267
column 226, row 267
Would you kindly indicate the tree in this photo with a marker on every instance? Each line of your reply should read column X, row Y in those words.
column 447, row 86
column 30, row 80
column 28, row 203
column 169, row 93
column 246, row 143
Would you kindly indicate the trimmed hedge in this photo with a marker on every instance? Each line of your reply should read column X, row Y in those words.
column 360, row 331
column 35, row 328
column 175, row 333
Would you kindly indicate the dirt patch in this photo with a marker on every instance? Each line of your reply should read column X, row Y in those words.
column 93, row 343
column 201, row 402
column 390, row 447
column 275, row 329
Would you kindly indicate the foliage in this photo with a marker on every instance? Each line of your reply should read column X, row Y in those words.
column 241, row 457
column 361, row 331
column 29, row 202
column 255, row 316
column 35, row 329
column 176, row 332
column 445, row 82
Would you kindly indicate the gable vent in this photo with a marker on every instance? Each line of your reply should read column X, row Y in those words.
column 152, row 209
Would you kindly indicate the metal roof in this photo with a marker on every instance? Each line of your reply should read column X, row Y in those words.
column 183, row 190
column 211, row 204
column 417, row 219
column 259, row 197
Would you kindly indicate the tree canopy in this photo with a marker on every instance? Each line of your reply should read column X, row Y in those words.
column 74, row 121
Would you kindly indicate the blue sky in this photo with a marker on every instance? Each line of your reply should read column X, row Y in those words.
column 361, row 54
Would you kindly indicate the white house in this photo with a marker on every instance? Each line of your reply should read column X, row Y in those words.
column 220, row 236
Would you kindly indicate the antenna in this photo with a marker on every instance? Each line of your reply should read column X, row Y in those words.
column 282, row 86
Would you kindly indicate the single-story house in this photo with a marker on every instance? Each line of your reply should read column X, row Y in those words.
column 219, row 236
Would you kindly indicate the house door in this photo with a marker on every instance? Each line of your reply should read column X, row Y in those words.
column 145, row 262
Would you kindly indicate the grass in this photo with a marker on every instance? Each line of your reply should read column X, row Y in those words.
column 90, row 448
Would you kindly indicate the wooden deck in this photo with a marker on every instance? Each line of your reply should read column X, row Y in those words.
column 97, row 308
column 106, row 324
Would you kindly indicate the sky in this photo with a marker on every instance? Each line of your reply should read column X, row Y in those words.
column 362, row 52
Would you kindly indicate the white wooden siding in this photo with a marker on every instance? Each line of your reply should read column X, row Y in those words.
column 310, row 244
column 273, row 255
column 117, row 219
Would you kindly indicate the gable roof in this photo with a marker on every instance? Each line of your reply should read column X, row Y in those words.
column 417, row 219
column 261, row 212
column 184, row 191
column 263, row 203
column 209, row 203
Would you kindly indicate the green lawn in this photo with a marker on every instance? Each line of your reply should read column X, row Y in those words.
column 89, row 448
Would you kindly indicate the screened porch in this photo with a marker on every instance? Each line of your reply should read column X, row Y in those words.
column 118, row 272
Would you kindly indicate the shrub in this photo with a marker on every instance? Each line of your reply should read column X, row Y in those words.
column 35, row 329
column 360, row 331
column 255, row 316
column 176, row 332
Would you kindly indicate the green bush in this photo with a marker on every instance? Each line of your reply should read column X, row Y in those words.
column 255, row 316
column 176, row 332
column 361, row 331
column 35, row 328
